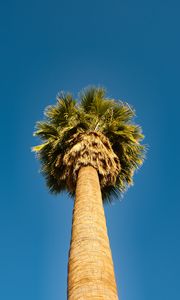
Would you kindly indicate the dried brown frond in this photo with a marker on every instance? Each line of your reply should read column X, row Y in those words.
column 89, row 149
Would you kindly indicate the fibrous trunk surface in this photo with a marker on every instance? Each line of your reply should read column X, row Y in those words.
column 90, row 268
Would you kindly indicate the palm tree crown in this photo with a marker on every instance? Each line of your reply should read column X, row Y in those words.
column 95, row 131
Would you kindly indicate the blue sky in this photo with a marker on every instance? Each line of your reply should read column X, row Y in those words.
column 132, row 48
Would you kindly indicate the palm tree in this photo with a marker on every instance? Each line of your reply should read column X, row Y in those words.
column 91, row 149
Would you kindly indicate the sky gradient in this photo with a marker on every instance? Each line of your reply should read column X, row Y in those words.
column 131, row 48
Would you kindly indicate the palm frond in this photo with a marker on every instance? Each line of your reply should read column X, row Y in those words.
column 38, row 148
column 46, row 130
column 90, row 97
column 60, row 114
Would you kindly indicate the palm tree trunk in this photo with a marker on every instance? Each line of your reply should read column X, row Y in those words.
column 90, row 268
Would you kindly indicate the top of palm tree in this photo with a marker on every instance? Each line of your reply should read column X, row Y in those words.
column 95, row 131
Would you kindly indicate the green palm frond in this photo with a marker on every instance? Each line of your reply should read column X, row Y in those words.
column 60, row 114
column 106, row 120
column 38, row 148
column 46, row 130
column 89, row 96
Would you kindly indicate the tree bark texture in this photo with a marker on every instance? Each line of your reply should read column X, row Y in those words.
column 90, row 268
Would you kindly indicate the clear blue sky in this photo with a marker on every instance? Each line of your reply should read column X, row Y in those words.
column 132, row 48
